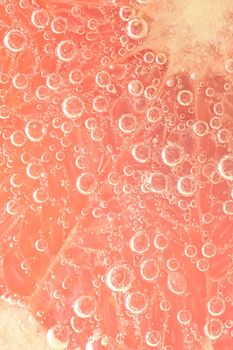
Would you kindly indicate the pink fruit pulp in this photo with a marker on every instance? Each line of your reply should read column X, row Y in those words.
column 117, row 170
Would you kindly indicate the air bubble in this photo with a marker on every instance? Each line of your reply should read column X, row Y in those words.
column 59, row 25
column 13, row 207
column 100, row 104
column 229, row 65
column 224, row 135
column 203, row 265
column 40, row 195
column 216, row 306
column 184, row 317
column 135, row 88
column 4, row 112
column 33, row 170
column 76, row 76
column 149, row 57
column 136, row 302
column 141, row 152
column 215, row 123
column 126, row 13
column 97, row 134
column 150, row 92
column 208, row 250
column 18, row 138
column 114, row 178
column 218, row 108
column 20, row 81
column 84, row 306
column 139, row 243
column 90, row 123
column 15, row 40
column 228, row 207
column 102, row 78
column 16, row 180
column 176, row 283
column 41, row 245
column 35, row 130
column 86, row 183
column 173, row 264
column 10, row 9
column 72, row 107
column 76, row 324
column 161, row 58
column 213, row 329
column 153, row 114
column 225, row 167
column 53, row 81
column 149, row 270
column 92, row 24
column 58, row 337
column 160, row 241
column 158, row 182
column 210, row 92
column 153, row 338
column 165, row 305
column 66, row 50
column 185, row 98
column 127, row 123
column 82, row 162
column 137, row 28
column 42, row 92
column 40, row 18
column 201, row 128
column 172, row 154
column 119, row 278
column 187, row 185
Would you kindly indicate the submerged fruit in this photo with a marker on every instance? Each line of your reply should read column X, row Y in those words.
column 116, row 165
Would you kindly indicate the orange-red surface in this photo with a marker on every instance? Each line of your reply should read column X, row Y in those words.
column 116, row 181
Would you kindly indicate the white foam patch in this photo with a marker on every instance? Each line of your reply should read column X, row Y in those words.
column 19, row 330
column 196, row 34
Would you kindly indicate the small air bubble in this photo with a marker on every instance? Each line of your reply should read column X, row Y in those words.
column 185, row 98
column 35, row 130
column 66, row 50
column 15, row 40
column 136, row 302
column 137, row 28
column 127, row 123
column 72, row 107
column 40, row 18
column 225, row 167
column 187, row 185
column 153, row 338
column 84, row 306
column 86, row 183
column 119, row 278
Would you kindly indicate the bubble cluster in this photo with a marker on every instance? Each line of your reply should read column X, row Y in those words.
column 116, row 206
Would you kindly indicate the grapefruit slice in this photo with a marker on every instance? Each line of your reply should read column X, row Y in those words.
column 116, row 174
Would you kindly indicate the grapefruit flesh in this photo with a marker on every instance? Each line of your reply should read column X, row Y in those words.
column 116, row 174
